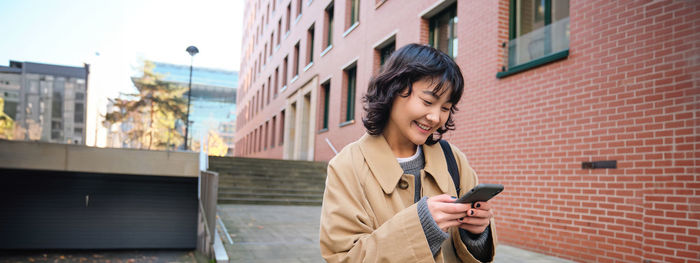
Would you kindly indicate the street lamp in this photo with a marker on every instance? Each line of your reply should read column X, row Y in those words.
column 193, row 51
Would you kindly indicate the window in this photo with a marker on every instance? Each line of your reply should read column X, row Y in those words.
column 260, row 138
column 276, row 89
column 385, row 52
column 56, row 130
column 325, row 92
column 57, row 102
column 269, row 87
column 282, row 128
column 11, row 109
column 284, row 71
column 295, row 68
column 538, row 34
column 353, row 15
column 310, row 45
column 279, row 32
column 349, row 101
column 261, row 103
column 289, row 17
column 328, row 23
column 443, row 31
column 299, row 5
column 264, row 55
column 267, row 127
column 272, row 43
column 274, row 128
column 78, row 115
column 249, row 144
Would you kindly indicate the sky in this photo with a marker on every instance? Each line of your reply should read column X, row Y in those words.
column 115, row 36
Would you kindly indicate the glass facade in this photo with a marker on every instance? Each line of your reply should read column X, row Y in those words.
column 213, row 101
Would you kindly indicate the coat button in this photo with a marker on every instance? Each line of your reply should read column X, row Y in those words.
column 403, row 184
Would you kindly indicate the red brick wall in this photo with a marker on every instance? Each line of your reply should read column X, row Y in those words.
column 628, row 92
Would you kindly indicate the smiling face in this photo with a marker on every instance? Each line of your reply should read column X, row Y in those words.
column 415, row 117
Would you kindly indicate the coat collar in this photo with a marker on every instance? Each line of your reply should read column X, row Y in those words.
column 386, row 168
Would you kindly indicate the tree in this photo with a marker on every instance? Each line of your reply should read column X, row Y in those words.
column 215, row 145
column 7, row 125
column 152, row 112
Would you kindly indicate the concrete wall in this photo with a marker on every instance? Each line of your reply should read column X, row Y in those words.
column 76, row 158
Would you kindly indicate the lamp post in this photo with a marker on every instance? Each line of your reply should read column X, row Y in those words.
column 193, row 51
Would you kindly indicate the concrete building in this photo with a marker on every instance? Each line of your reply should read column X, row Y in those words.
column 552, row 88
column 47, row 102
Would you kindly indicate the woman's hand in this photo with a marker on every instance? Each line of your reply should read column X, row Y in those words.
column 446, row 212
column 477, row 219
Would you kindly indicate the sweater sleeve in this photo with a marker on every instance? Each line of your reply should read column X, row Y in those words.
column 433, row 233
column 480, row 246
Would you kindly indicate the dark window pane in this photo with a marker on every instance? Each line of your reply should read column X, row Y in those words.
column 385, row 52
column 350, row 111
column 443, row 29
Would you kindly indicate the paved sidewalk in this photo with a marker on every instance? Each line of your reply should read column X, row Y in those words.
column 267, row 233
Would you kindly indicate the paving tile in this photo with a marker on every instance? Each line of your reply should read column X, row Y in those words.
column 271, row 233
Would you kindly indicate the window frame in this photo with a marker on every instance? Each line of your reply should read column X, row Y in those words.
column 326, row 90
column 512, row 34
column 350, row 90
column 432, row 25
column 310, row 38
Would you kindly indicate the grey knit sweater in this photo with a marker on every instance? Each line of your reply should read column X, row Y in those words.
column 478, row 245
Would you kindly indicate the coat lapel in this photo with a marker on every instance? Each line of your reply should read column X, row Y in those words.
column 381, row 161
column 436, row 166
column 386, row 169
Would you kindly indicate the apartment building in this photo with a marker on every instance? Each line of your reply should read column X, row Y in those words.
column 47, row 102
column 585, row 110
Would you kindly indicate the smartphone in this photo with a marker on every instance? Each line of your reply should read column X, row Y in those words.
column 481, row 192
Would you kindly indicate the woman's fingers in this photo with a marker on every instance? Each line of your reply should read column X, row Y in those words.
column 445, row 212
column 476, row 220
column 482, row 206
column 443, row 198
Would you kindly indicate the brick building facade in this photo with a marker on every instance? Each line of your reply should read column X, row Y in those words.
column 552, row 87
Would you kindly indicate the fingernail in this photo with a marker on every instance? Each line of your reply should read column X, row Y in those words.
column 478, row 205
column 471, row 212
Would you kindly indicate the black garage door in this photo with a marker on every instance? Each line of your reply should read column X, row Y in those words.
column 71, row 210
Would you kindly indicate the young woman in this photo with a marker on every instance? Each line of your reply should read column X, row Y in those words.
column 389, row 195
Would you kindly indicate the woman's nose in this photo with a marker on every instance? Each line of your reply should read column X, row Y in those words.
column 433, row 116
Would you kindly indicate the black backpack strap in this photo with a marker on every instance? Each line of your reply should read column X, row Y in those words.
column 451, row 163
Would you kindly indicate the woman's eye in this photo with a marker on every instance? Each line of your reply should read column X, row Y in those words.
column 427, row 102
column 445, row 109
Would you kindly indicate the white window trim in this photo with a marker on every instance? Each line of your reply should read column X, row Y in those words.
column 326, row 50
column 355, row 25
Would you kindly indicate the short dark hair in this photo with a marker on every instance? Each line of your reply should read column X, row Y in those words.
column 407, row 65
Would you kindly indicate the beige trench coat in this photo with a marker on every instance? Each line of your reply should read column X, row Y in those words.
column 368, row 214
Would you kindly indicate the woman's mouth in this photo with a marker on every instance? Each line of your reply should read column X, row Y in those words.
column 424, row 128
